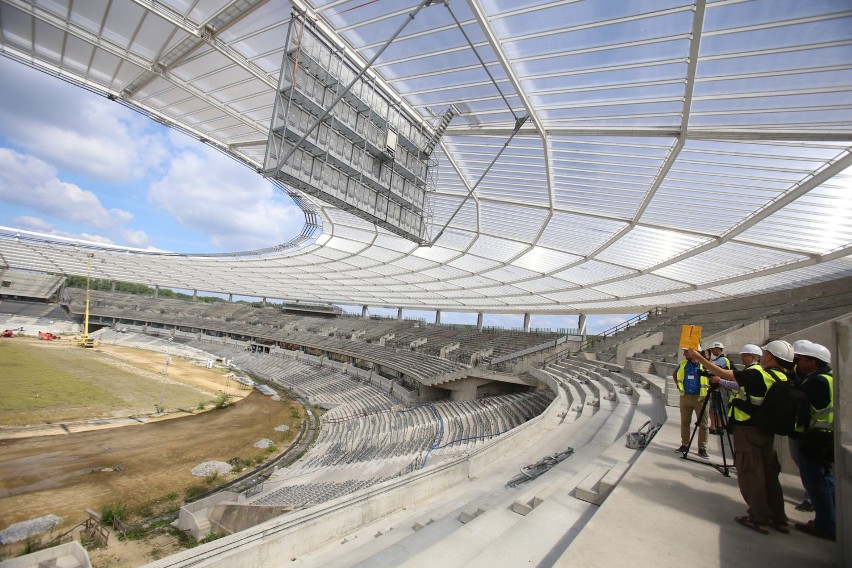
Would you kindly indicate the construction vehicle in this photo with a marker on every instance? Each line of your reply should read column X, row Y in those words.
column 47, row 336
column 87, row 341
column 7, row 333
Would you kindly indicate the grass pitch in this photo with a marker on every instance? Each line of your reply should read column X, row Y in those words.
column 52, row 382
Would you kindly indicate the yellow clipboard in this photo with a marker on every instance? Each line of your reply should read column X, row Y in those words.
column 690, row 336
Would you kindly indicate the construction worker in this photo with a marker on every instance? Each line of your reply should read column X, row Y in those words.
column 717, row 350
column 816, row 448
column 793, row 442
column 750, row 356
column 717, row 408
column 754, row 447
column 692, row 381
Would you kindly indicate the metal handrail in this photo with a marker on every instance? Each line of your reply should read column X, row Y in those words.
column 621, row 327
column 591, row 340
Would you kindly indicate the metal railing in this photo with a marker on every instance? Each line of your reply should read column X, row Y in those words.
column 591, row 341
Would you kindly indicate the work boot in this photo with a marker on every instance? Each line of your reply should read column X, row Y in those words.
column 702, row 453
column 682, row 449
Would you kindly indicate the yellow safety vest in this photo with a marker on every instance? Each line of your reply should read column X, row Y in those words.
column 704, row 381
column 824, row 417
column 769, row 378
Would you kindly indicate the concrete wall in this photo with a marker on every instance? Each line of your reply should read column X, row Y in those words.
column 272, row 542
column 193, row 516
column 526, row 364
column 733, row 339
column 637, row 345
column 372, row 377
column 843, row 437
column 56, row 556
column 465, row 389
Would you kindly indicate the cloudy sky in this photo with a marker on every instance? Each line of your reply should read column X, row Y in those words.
column 77, row 165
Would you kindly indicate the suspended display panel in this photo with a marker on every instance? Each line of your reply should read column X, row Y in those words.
column 336, row 136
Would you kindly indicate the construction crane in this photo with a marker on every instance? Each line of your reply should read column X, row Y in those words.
column 87, row 341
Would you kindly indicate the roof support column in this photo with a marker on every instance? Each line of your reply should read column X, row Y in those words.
column 195, row 295
column 399, row 313
column 479, row 321
column 581, row 325
column 363, row 311
column 112, row 286
column 526, row 323
column 156, row 291
column 230, row 297
column 437, row 316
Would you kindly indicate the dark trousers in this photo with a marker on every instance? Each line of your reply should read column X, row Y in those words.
column 818, row 480
column 757, row 474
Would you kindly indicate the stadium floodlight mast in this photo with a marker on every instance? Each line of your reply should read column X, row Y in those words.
column 86, row 341
column 165, row 379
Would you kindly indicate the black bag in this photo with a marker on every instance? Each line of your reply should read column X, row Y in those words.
column 784, row 408
column 817, row 445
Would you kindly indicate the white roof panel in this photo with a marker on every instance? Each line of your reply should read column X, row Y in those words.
column 653, row 139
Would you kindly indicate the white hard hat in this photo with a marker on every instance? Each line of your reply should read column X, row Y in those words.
column 811, row 349
column 780, row 349
column 717, row 344
column 751, row 349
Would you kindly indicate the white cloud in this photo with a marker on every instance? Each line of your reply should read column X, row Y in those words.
column 134, row 238
column 38, row 225
column 29, row 182
column 30, row 223
column 84, row 134
column 239, row 210
column 597, row 324
column 89, row 237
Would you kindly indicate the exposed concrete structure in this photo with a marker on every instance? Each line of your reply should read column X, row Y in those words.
column 68, row 555
column 632, row 347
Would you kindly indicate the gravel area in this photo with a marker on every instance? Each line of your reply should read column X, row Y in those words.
column 282, row 428
column 210, row 467
column 25, row 529
column 263, row 443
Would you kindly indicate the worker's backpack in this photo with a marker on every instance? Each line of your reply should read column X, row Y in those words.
column 784, row 408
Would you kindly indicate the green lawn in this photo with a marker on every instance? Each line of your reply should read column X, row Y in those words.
column 41, row 385
column 30, row 380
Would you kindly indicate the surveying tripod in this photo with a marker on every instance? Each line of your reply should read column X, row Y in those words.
column 721, row 416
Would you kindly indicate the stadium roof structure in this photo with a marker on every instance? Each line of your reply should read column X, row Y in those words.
column 673, row 152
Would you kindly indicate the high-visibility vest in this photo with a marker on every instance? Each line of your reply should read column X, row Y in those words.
column 725, row 360
column 704, row 381
column 769, row 378
column 824, row 417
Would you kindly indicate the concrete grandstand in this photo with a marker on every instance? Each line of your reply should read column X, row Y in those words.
column 380, row 446
column 688, row 160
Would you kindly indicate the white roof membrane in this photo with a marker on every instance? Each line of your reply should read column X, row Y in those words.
column 674, row 151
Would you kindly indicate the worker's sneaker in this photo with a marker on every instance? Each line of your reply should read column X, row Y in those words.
column 682, row 449
column 702, row 453
column 805, row 506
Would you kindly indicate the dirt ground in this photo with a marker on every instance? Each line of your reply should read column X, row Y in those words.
column 64, row 474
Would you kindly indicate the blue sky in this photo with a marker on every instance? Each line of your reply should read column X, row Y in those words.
column 75, row 164
column 78, row 165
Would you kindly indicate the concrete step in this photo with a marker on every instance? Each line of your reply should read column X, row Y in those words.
column 597, row 486
column 638, row 365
